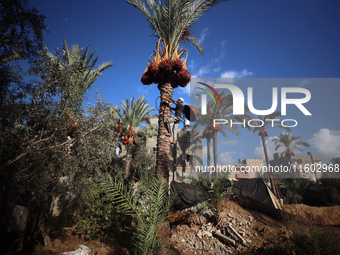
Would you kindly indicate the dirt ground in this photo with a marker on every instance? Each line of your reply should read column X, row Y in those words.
column 317, row 215
column 256, row 232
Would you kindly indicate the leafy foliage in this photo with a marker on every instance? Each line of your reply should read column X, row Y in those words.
column 171, row 19
column 289, row 142
column 100, row 217
column 217, row 188
column 148, row 203
column 21, row 30
column 312, row 240
column 79, row 60
column 293, row 190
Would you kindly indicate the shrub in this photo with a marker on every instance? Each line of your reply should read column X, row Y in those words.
column 100, row 217
column 315, row 241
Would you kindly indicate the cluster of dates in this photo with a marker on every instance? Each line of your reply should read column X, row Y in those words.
column 164, row 69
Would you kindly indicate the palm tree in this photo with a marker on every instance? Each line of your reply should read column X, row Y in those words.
column 265, row 123
column 135, row 113
column 219, row 112
column 82, row 60
column 10, row 72
column 171, row 22
column 289, row 143
column 335, row 161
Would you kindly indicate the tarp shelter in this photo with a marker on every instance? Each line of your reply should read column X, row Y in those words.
column 257, row 190
column 187, row 195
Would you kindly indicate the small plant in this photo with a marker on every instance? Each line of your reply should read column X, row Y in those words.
column 217, row 188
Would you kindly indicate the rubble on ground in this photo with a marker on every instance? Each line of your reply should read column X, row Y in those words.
column 233, row 230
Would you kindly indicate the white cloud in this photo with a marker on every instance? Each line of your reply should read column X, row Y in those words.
column 203, row 34
column 185, row 90
column 217, row 69
column 221, row 52
column 259, row 153
column 144, row 90
column 236, row 74
column 203, row 70
column 326, row 142
column 226, row 157
column 191, row 65
column 210, row 66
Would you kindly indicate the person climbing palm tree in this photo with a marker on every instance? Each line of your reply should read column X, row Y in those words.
column 172, row 22
column 172, row 122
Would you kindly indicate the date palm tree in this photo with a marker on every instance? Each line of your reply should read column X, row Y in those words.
column 289, row 143
column 267, row 121
column 82, row 60
column 134, row 114
column 171, row 21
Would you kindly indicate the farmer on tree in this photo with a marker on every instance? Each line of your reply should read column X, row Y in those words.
column 172, row 122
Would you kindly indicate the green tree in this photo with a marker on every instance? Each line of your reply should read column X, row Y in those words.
column 21, row 38
column 21, row 30
column 172, row 22
column 289, row 143
column 79, row 61
column 134, row 114
column 38, row 161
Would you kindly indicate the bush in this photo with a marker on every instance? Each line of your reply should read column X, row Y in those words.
column 100, row 217
column 315, row 241
column 216, row 188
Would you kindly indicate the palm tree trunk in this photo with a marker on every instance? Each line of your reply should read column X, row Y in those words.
column 215, row 152
column 265, row 149
column 272, row 183
column 163, row 141
column 209, row 157
column 127, row 162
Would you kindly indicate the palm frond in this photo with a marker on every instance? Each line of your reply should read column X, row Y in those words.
column 122, row 195
column 169, row 19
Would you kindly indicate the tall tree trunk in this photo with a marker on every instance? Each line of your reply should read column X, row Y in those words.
column 215, row 152
column 127, row 162
column 272, row 183
column 265, row 149
column 209, row 156
column 163, row 141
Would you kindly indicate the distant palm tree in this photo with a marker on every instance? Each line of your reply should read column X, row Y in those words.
column 216, row 111
column 171, row 21
column 262, row 129
column 134, row 114
column 335, row 161
column 289, row 143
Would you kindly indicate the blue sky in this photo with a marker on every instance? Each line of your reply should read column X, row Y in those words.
column 241, row 38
